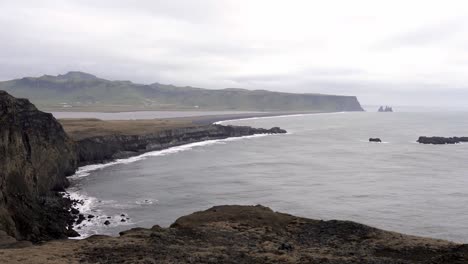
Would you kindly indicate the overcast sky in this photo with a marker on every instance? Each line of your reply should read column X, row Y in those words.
column 385, row 52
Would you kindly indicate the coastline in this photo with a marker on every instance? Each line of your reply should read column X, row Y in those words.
column 246, row 234
column 221, row 234
column 87, row 203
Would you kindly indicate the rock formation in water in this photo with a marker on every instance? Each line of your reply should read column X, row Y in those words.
column 378, row 140
column 35, row 157
column 442, row 140
column 105, row 148
column 386, row 109
column 247, row 234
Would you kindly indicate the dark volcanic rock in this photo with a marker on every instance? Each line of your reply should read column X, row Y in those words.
column 442, row 140
column 248, row 234
column 375, row 140
column 105, row 148
column 35, row 157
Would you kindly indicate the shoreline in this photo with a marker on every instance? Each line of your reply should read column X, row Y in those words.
column 86, row 207
column 246, row 234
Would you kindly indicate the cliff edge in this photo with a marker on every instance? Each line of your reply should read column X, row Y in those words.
column 36, row 155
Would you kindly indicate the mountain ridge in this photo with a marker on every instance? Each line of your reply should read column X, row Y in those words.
column 80, row 89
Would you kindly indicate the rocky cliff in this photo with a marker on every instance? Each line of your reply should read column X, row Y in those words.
column 35, row 157
column 247, row 234
column 104, row 148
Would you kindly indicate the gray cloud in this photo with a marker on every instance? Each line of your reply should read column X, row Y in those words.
column 384, row 55
column 426, row 35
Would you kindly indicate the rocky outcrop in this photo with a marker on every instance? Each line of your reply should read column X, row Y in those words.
column 35, row 157
column 247, row 234
column 105, row 148
column 378, row 140
column 442, row 140
column 386, row 109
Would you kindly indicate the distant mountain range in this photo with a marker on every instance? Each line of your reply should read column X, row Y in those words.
column 83, row 91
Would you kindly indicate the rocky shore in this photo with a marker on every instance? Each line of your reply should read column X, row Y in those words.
column 246, row 234
column 37, row 155
column 104, row 148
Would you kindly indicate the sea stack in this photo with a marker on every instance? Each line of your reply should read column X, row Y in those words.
column 385, row 109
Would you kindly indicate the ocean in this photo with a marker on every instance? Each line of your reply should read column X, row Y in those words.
column 323, row 168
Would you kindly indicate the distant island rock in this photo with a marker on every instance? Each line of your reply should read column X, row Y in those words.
column 385, row 109
column 442, row 140
column 78, row 90
column 378, row 140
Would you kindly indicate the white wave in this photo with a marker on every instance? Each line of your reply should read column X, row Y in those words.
column 145, row 202
column 88, row 205
column 86, row 170
column 268, row 117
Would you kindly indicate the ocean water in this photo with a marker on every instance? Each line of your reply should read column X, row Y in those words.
column 324, row 168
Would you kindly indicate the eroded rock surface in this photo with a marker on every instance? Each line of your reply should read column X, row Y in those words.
column 35, row 157
column 247, row 234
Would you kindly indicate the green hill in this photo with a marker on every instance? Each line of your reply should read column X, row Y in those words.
column 78, row 90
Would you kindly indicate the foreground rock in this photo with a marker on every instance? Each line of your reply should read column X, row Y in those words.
column 35, row 157
column 100, row 149
column 246, row 234
column 442, row 140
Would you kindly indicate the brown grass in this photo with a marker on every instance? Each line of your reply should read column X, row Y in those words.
column 90, row 127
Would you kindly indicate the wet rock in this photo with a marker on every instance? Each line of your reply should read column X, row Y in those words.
column 90, row 216
column 107, row 222
column 80, row 219
column 378, row 140
column 441, row 140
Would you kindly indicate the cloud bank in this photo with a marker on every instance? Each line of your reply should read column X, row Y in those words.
column 392, row 52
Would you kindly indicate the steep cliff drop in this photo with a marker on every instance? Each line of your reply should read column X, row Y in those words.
column 100, row 149
column 36, row 155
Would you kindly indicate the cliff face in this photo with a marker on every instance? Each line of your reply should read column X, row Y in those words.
column 35, row 157
column 104, row 148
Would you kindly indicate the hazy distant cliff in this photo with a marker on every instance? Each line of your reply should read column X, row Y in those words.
column 76, row 89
